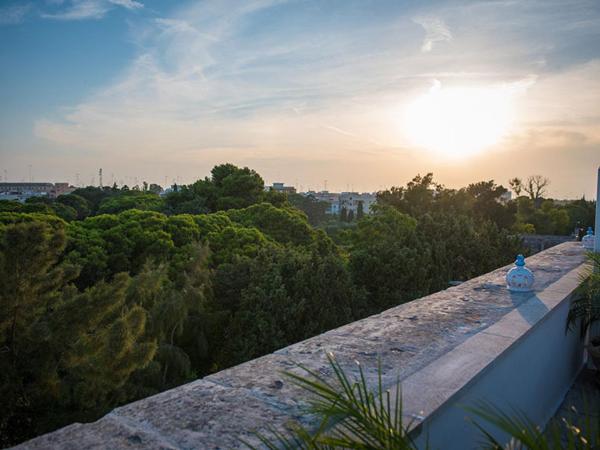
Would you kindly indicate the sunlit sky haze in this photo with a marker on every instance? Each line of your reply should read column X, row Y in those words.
column 348, row 95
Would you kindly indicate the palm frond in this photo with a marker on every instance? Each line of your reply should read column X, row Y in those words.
column 354, row 415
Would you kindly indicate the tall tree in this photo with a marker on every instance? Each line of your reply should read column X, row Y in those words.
column 360, row 210
column 344, row 214
column 535, row 186
column 65, row 354
column 516, row 184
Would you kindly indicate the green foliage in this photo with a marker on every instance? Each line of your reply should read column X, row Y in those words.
column 175, row 314
column 546, row 219
column 524, row 434
column 65, row 353
column 350, row 415
column 95, row 195
column 229, row 187
column 481, row 201
column 388, row 260
column 585, row 308
column 284, row 225
column 360, row 210
column 9, row 206
column 78, row 203
column 314, row 209
column 145, row 201
column 65, row 212
column 8, row 218
column 266, row 297
column 581, row 213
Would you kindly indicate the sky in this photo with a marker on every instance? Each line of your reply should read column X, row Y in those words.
column 342, row 95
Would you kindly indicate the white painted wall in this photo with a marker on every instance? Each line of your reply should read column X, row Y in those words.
column 533, row 375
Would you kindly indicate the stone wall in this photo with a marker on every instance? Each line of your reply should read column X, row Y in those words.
column 443, row 347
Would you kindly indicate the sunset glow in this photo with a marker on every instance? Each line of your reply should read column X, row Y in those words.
column 460, row 121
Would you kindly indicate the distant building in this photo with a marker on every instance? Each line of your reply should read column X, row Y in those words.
column 347, row 200
column 351, row 200
column 281, row 187
column 61, row 189
column 330, row 198
column 23, row 191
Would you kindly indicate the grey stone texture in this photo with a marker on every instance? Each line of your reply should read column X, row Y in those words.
column 435, row 345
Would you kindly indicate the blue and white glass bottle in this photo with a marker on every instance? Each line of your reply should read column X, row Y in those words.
column 520, row 278
column 588, row 240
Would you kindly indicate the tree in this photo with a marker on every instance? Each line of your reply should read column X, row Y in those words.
column 80, row 204
column 486, row 203
column 131, row 200
column 380, row 245
column 360, row 212
column 315, row 210
column 64, row 212
column 535, row 186
column 155, row 188
column 266, row 297
column 95, row 195
column 285, row 225
column 344, row 214
column 350, row 215
column 516, row 185
column 418, row 197
column 175, row 310
column 66, row 353
column 10, row 205
column 229, row 187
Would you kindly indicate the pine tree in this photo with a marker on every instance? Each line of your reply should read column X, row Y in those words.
column 64, row 354
column 360, row 211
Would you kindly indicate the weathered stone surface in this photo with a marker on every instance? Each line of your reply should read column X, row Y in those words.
column 202, row 415
column 108, row 432
column 436, row 345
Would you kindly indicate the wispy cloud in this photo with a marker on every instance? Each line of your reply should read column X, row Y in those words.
column 89, row 9
column 129, row 4
column 435, row 31
column 14, row 14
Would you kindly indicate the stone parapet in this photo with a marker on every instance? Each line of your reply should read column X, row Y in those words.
column 442, row 347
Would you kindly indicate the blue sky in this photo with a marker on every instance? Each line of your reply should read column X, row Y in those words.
column 302, row 91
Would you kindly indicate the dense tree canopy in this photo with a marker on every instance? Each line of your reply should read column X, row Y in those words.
column 65, row 352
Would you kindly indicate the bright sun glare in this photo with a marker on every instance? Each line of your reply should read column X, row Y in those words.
column 458, row 122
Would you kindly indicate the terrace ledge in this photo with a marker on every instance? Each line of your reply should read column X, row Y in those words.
column 452, row 348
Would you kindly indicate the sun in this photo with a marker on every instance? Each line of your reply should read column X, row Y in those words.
column 458, row 122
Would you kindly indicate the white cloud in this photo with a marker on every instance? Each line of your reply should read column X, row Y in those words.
column 15, row 14
column 129, row 4
column 90, row 9
column 435, row 31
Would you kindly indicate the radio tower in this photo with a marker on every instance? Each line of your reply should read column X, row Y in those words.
column 100, row 177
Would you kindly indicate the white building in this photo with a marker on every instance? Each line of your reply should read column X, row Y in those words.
column 330, row 198
column 281, row 187
column 347, row 200
column 23, row 191
column 351, row 201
